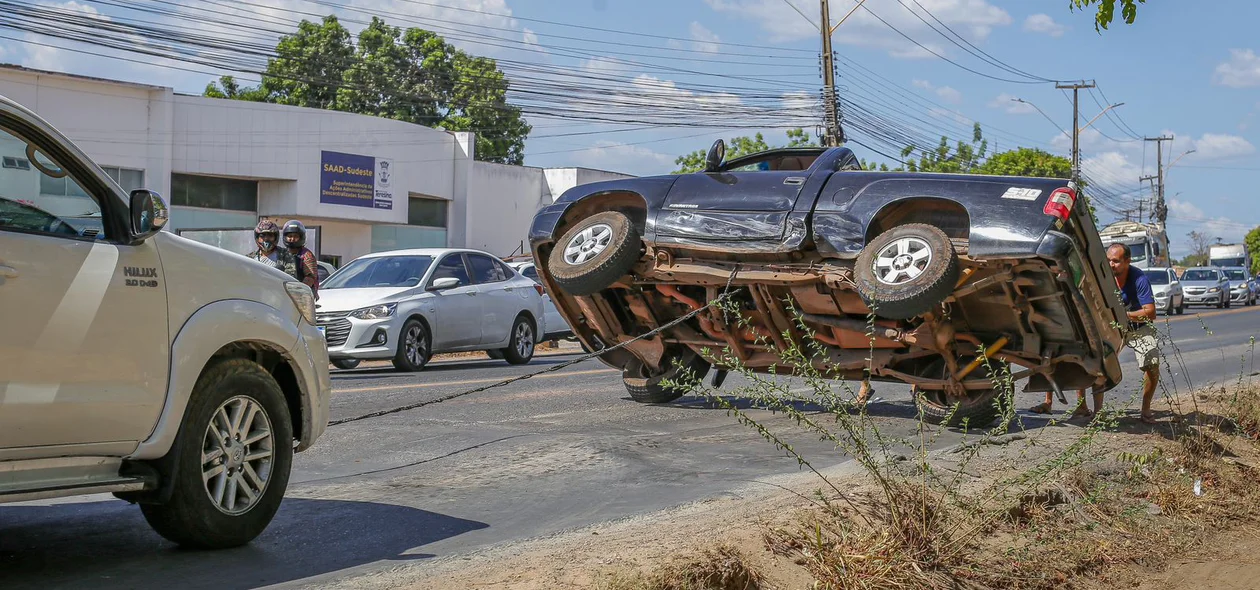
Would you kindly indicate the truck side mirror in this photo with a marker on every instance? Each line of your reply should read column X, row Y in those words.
column 717, row 153
column 149, row 214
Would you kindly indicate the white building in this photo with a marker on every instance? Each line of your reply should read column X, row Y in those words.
column 361, row 184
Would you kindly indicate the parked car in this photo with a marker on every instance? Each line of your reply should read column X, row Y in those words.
column 407, row 305
column 1169, row 296
column 555, row 326
column 1242, row 285
column 139, row 363
column 948, row 263
column 1205, row 286
column 324, row 270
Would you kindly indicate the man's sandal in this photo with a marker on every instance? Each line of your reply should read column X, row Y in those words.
column 1041, row 408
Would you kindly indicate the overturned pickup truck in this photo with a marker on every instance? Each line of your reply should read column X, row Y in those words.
column 948, row 265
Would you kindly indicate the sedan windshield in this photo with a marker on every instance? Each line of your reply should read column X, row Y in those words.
column 1235, row 275
column 1157, row 278
column 381, row 271
column 1199, row 274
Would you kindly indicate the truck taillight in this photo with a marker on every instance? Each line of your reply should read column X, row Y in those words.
column 1060, row 203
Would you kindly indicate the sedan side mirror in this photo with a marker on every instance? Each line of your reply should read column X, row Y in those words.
column 717, row 154
column 444, row 283
column 149, row 214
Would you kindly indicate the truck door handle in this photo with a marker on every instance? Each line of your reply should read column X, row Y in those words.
column 8, row 272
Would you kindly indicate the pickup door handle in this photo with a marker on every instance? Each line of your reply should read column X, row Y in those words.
column 8, row 272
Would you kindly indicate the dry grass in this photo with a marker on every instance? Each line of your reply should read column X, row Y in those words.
column 720, row 568
column 1244, row 410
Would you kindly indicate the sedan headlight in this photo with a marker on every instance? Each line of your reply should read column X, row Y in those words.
column 1213, row 289
column 303, row 300
column 375, row 312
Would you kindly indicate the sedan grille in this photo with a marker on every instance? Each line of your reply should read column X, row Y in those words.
column 1196, row 290
column 336, row 328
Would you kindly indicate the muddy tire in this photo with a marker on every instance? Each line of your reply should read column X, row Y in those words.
column 978, row 411
column 906, row 271
column 594, row 253
column 251, row 464
column 650, row 389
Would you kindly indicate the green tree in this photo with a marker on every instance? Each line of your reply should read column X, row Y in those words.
column 410, row 75
column 742, row 146
column 1253, row 244
column 964, row 158
column 1027, row 162
column 1106, row 12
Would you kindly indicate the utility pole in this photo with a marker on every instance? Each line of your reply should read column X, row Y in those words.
column 1076, row 129
column 1161, row 209
column 833, row 133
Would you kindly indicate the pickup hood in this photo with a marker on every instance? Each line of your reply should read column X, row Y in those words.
column 341, row 300
column 197, row 275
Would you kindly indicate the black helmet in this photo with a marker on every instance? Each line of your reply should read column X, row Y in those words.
column 294, row 226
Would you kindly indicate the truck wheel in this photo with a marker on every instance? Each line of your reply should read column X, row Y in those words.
column 594, row 253
column 414, row 347
column 232, row 460
column 346, row 364
column 521, row 346
column 648, row 389
column 907, row 271
column 979, row 410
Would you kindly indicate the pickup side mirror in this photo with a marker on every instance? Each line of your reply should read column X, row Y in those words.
column 149, row 214
column 444, row 283
column 717, row 154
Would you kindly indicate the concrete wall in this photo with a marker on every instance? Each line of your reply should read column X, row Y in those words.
column 135, row 134
column 502, row 201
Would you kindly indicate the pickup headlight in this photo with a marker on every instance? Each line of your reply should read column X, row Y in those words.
column 303, row 299
column 375, row 312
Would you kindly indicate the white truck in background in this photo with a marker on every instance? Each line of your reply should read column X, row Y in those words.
column 1229, row 255
column 1147, row 242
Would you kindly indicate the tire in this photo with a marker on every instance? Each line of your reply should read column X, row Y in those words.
column 1181, row 308
column 1171, row 309
column 582, row 269
column 346, row 364
column 495, row 354
column 522, row 343
column 905, row 295
column 192, row 518
column 648, row 389
column 979, row 410
column 415, row 347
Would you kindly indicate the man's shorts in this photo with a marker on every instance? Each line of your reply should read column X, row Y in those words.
column 1144, row 340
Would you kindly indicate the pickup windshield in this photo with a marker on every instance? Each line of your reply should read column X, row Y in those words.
column 1199, row 274
column 381, row 271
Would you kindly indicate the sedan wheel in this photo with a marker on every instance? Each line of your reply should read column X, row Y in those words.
column 521, row 346
column 413, row 347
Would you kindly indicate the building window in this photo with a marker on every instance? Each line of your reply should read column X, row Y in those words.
column 17, row 163
column 127, row 178
column 60, row 187
column 209, row 192
column 426, row 212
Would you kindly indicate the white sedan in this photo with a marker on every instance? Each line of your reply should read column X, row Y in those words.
column 407, row 305
column 554, row 325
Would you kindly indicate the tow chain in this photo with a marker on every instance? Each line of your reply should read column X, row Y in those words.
column 586, row 357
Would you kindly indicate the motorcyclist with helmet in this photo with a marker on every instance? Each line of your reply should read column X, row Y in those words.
column 307, row 268
column 267, row 238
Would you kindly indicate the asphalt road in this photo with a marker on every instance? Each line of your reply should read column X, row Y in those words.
column 559, row 451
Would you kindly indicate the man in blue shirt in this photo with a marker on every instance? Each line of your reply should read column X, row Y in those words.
column 1139, row 303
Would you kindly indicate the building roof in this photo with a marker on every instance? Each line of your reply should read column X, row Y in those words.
column 18, row 68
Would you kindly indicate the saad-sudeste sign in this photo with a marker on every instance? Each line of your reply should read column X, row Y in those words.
column 357, row 181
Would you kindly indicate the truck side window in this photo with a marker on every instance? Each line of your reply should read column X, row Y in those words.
column 38, row 196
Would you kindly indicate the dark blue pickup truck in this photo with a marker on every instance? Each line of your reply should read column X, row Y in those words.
column 947, row 264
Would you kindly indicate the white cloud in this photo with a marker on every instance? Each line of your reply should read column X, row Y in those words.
column 704, row 39
column 949, row 115
column 1007, row 103
column 946, row 93
column 620, row 157
column 1189, row 215
column 1219, row 146
column 802, row 108
column 1113, row 169
column 655, row 91
column 1241, row 71
column 973, row 19
column 1043, row 23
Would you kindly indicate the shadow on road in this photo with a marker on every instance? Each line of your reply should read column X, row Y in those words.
column 381, row 372
column 108, row 545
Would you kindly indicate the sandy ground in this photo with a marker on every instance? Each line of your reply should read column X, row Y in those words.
column 589, row 557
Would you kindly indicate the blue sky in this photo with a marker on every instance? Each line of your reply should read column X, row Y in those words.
column 1181, row 69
